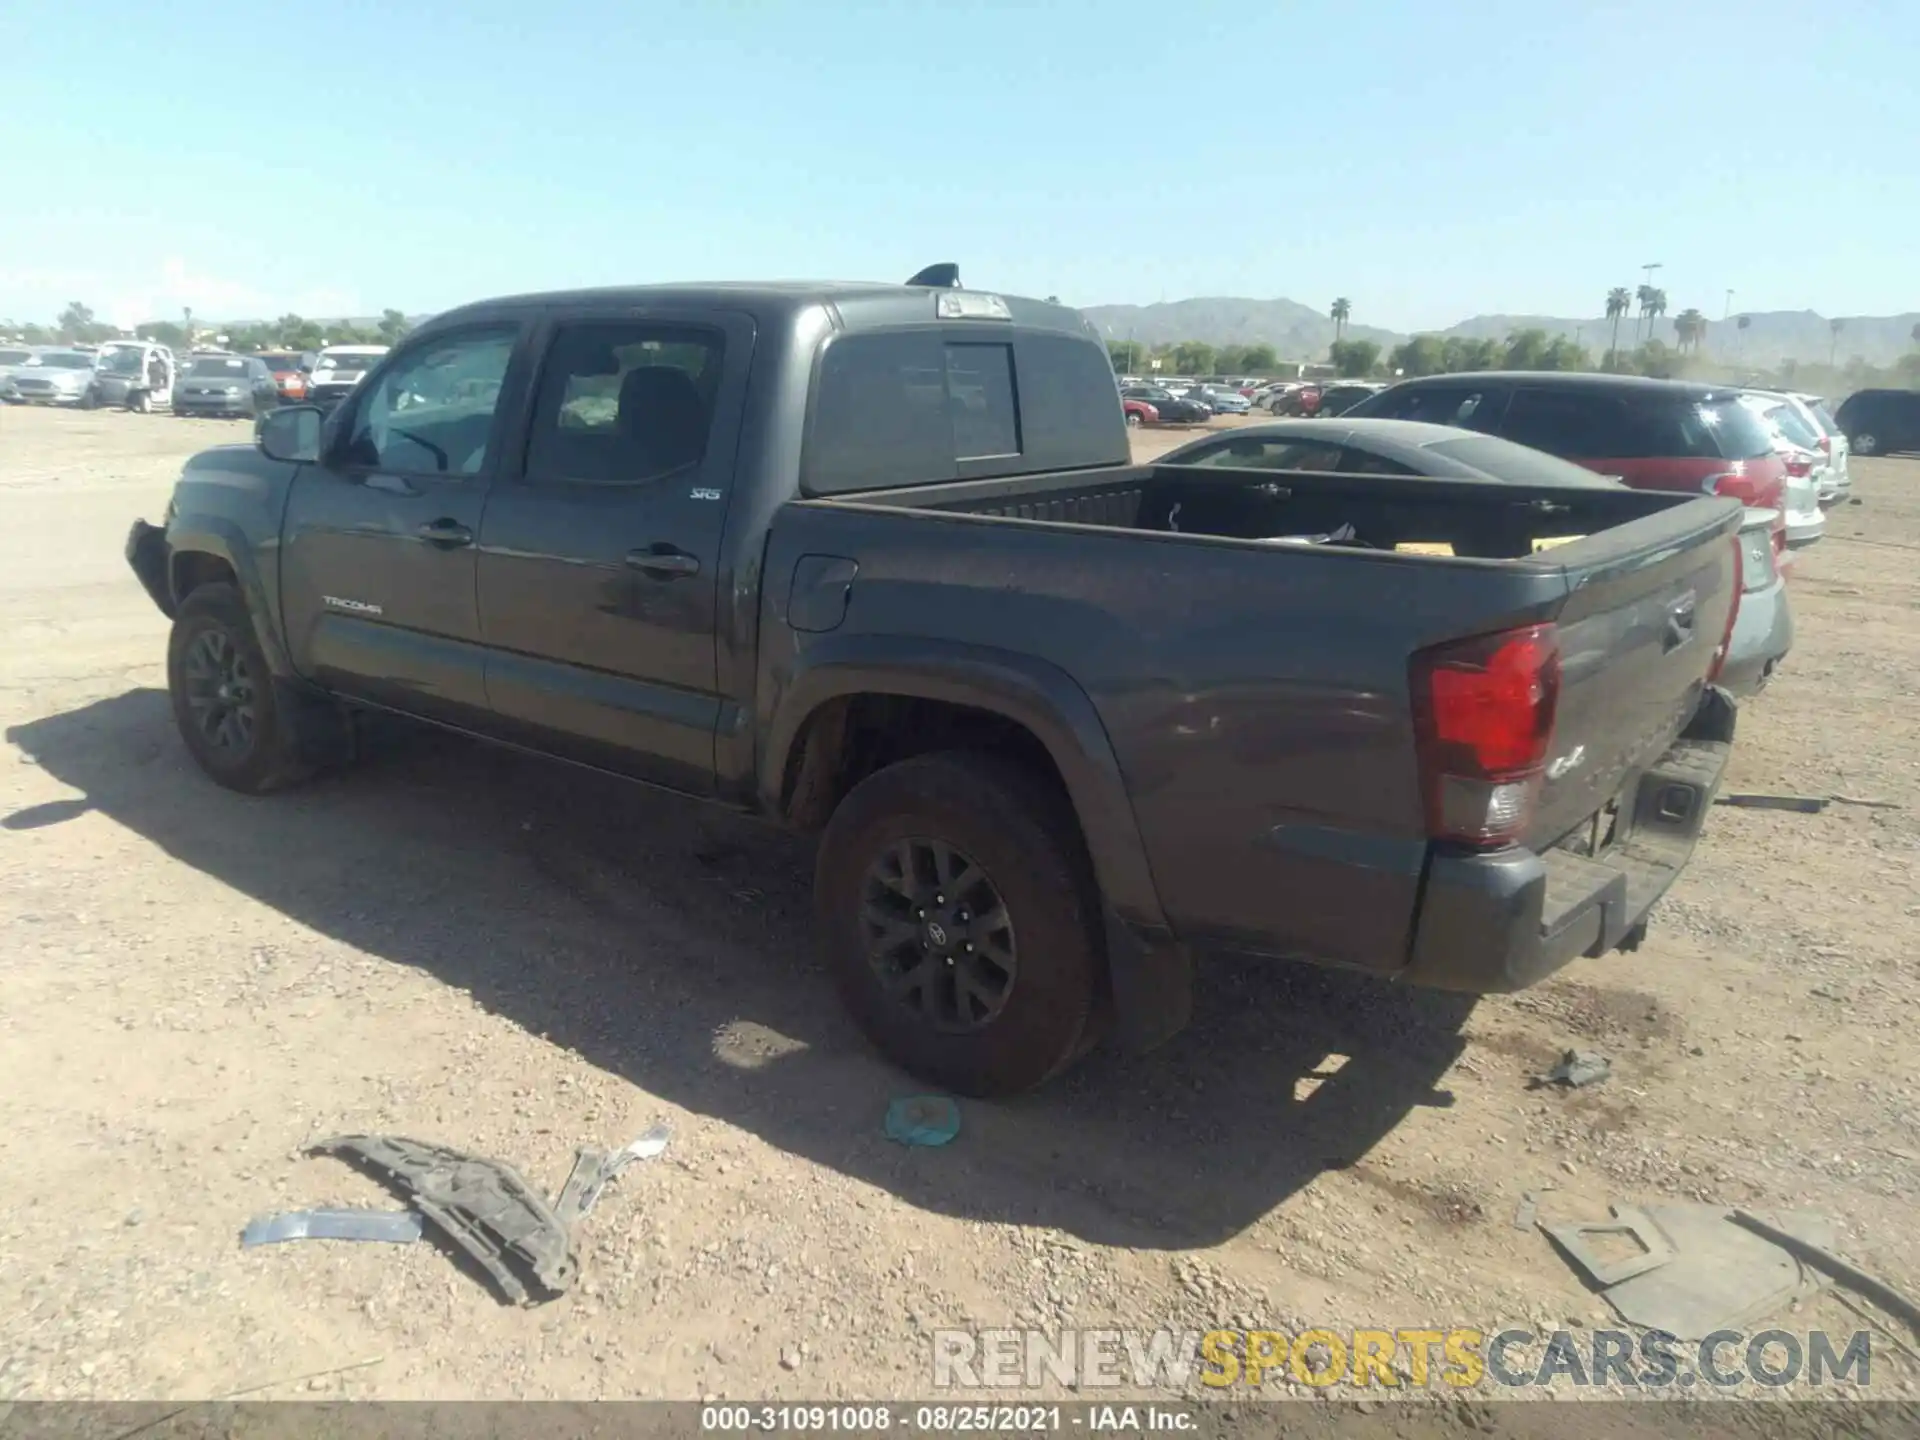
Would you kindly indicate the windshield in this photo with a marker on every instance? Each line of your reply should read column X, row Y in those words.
column 15, row 357
column 213, row 366
column 281, row 362
column 66, row 360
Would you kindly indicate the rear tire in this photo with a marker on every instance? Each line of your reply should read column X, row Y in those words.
column 141, row 403
column 993, row 1022
column 1865, row 444
column 228, row 709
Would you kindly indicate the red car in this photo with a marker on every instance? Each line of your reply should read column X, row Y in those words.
column 1139, row 412
column 1652, row 434
column 288, row 378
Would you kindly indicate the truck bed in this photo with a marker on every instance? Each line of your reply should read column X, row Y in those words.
column 1257, row 688
column 1472, row 520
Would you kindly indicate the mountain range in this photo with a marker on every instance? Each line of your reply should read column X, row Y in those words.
column 1299, row 332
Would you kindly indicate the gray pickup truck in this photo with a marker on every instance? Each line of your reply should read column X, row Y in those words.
column 873, row 561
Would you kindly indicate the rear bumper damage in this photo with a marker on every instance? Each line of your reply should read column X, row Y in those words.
column 1505, row 920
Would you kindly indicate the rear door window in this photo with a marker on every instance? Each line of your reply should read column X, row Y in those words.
column 1466, row 407
column 1566, row 422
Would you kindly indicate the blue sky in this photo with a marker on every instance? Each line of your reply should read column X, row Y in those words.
column 1429, row 159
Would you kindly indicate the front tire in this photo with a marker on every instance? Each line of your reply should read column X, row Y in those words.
column 957, row 912
column 224, row 700
column 140, row 403
column 1133, row 419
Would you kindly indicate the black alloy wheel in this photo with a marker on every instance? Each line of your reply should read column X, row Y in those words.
column 938, row 934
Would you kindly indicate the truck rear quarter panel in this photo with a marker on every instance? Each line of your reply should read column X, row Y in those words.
column 1256, row 702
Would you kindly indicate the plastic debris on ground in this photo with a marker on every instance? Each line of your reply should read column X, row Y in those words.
column 394, row 1227
column 594, row 1169
column 1802, row 804
column 1576, row 1068
column 481, row 1205
column 923, row 1120
column 1691, row 1270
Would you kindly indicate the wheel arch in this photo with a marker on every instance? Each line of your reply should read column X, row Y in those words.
column 1041, row 700
column 207, row 550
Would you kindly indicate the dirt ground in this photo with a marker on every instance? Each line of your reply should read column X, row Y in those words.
column 513, row 958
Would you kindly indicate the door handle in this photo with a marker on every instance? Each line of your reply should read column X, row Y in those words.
column 445, row 534
column 663, row 562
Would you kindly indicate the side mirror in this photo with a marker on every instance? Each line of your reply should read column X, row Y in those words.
column 291, row 433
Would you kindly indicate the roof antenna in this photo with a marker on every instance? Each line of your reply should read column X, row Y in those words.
column 944, row 276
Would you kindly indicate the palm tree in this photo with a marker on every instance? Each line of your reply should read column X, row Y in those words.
column 1619, row 301
column 1690, row 328
column 1834, row 327
column 1657, row 307
column 1644, row 295
column 1342, row 308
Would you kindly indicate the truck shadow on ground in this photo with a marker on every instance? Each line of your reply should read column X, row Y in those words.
column 670, row 944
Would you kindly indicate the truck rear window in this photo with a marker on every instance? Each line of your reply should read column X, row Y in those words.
column 914, row 407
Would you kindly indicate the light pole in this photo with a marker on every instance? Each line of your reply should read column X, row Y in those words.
column 1728, row 310
column 1647, row 281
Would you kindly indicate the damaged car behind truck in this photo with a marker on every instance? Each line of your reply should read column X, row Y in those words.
column 873, row 561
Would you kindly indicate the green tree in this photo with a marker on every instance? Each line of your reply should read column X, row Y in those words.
column 1231, row 360
column 1619, row 301
column 77, row 325
column 1122, row 353
column 1354, row 358
column 1461, row 354
column 1524, row 350
column 1192, row 357
column 1565, row 353
column 1657, row 359
column 1915, row 332
column 1341, row 311
column 299, row 334
column 1260, row 360
column 393, row 326
column 1422, row 355
column 1689, row 329
column 163, row 332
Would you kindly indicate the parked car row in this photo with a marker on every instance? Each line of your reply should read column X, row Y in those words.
column 143, row 375
column 1784, row 456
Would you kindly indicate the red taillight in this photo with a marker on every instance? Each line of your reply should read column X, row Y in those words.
column 1733, row 611
column 1799, row 464
column 1756, row 492
column 1826, row 446
column 1483, row 715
